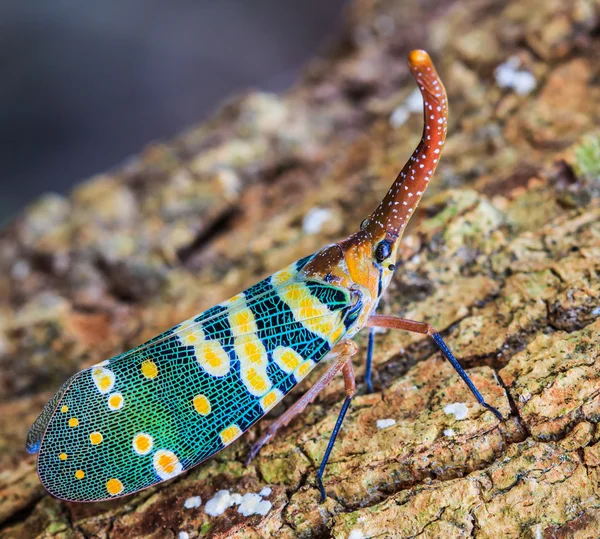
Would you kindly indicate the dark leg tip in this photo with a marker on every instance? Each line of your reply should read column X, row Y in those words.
column 321, row 489
column 493, row 410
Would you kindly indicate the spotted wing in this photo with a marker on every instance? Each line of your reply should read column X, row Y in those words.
column 149, row 414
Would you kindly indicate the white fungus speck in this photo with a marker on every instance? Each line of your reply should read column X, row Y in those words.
column 458, row 409
column 266, row 491
column 384, row 423
column 314, row 220
column 219, row 503
column 356, row 534
column 449, row 433
column 183, row 535
column 399, row 116
column 194, row 501
column 596, row 311
column 253, row 504
column 20, row 270
column 508, row 75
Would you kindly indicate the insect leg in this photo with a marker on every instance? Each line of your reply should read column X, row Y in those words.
column 393, row 322
column 342, row 352
column 350, row 385
column 369, row 365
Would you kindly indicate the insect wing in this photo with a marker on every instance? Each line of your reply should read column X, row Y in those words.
column 150, row 414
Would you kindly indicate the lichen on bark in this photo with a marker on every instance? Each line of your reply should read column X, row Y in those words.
column 503, row 258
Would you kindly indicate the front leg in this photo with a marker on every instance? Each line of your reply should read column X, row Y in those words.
column 394, row 322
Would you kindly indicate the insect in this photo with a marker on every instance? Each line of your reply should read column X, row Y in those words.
column 156, row 411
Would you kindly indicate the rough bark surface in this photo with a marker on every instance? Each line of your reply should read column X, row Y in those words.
column 503, row 258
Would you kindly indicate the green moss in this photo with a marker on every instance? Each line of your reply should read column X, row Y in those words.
column 587, row 156
column 56, row 527
column 205, row 528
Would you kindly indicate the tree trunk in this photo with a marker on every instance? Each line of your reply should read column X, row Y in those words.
column 503, row 258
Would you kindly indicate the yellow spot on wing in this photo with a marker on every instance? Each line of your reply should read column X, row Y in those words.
column 64, row 409
column 304, row 369
column 166, row 464
column 73, row 422
column 287, row 358
column 256, row 380
column 62, row 456
column 79, row 474
column 233, row 300
column 229, row 434
column 114, row 486
column 103, row 378
column 212, row 358
column 311, row 313
column 149, row 369
column 202, row 405
column 143, row 443
column 271, row 399
column 115, row 401
column 190, row 333
column 250, row 350
column 96, row 438
column 241, row 320
column 283, row 276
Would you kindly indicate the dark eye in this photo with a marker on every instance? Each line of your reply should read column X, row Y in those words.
column 383, row 250
column 363, row 224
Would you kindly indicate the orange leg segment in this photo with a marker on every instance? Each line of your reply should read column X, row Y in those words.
column 394, row 322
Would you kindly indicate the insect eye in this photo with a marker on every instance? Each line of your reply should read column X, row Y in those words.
column 383, row 250
column 364, row 224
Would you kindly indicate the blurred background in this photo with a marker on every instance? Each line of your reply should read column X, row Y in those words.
column 86, row 84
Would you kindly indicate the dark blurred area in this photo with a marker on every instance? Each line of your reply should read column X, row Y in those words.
column 84, row 85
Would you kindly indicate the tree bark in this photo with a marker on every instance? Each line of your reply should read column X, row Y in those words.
column 503, row 258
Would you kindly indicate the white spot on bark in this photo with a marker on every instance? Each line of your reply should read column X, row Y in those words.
column 508, row 75
column 314, row 220
column 194, row 501
column 219, row 503
column 449, row 433
column 384, row 423
column 459, row 409
column 253, row 504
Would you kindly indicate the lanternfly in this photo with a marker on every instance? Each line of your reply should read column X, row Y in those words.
column 160, row 409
